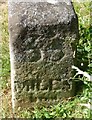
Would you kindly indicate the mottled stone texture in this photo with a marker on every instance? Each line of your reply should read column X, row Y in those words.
column 43, row 40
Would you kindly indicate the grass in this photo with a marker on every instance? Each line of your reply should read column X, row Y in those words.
column 71, row 107
column 5, row 58
column 5, row 46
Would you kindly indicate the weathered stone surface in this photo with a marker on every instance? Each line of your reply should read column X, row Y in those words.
column 43, row 40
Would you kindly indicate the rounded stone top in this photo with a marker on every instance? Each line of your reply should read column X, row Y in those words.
column 68, row 2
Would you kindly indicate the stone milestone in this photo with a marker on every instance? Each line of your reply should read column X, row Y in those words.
column 43, row 37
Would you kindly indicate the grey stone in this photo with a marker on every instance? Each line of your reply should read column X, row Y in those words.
column 43, row 39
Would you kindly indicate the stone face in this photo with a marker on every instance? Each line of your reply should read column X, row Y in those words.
column 43, row 40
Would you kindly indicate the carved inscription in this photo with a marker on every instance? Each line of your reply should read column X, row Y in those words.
column 32, row 45
column 45, row 89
